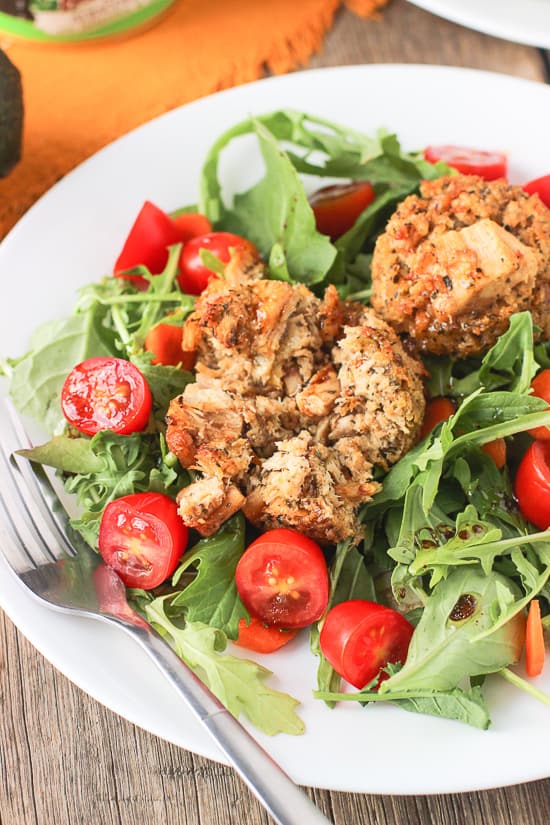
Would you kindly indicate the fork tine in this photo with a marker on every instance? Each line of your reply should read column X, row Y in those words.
column 14, row 549
column 27, row 516
column 26, row 546
column 53, row 514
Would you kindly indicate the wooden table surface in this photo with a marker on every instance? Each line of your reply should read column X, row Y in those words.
column 66, row 760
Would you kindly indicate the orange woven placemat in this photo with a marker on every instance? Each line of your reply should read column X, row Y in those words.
column 79, row 98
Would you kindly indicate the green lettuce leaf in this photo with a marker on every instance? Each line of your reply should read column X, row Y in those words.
column 211, row 597
column 240, row 684
column 447, row 645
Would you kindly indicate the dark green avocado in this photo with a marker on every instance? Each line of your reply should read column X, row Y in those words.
column 11, row 114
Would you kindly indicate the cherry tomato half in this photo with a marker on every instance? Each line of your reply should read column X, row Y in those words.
column 336, row 208
column 359, row 638
column 106, row 394
column 532, row 484
column 261, row 638
column 540, row 187
column 282, row 579
column 194, row 275
column 489, row 165
column 142, row 537
column 541, row 388
column 152, row 233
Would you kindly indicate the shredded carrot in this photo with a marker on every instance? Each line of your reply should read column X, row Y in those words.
column 438, row 409
column 497, row 450
column 534, row 641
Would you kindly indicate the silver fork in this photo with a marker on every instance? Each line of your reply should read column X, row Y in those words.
column 59, row 570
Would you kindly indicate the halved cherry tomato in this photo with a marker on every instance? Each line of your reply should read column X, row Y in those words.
column 261, row 638
column 106, row 394
column 496, row 449
column 142, row 537
column 194, row 275
column 541, row 388
column 192, row 224
column 164, row 340
column 360, row 637
column 337, row 207
column 489, row 165
column 282, row 579
column 437, row 410
column 540, row 187
column 532, row 484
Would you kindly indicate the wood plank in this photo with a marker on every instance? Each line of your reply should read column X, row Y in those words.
column 407, row 34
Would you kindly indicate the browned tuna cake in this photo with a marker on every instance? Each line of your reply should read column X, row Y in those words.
column 296, row 400
column 456, row 261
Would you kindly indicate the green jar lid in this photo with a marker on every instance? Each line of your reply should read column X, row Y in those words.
column 74, row 21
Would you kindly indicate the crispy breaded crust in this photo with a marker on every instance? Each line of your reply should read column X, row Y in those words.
column 456, row 261
column 296, row 401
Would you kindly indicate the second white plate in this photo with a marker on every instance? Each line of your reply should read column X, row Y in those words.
column 522, row 21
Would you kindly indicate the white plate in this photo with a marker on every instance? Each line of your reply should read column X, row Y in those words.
column 522, row 21
column 72, row 235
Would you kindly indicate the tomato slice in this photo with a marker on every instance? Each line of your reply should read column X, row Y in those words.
column 541, row 388
column 194, row 275
column 106, row 394
column 540, row 187
column 282, row 579
column 147, row 244
column 532, row 484
column 142, row 537
column 337, row 207
column 359, row 638
column 489, row 165
column 262, row 638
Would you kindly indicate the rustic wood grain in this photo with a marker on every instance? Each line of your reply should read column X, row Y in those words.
column 406, row 34
column 66, row 760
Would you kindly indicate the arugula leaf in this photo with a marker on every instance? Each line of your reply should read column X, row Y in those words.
column 446, row 645
column 468, row 706
column 275, row 213
column 165, row 382
column 276, row 216
column 212, row 596
column 238, row 683
column 510, row 364
column 68, row 454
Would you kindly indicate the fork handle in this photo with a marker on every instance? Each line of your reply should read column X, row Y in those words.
column 280, row 796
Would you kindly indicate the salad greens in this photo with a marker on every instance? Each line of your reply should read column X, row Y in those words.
column 444, row 532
